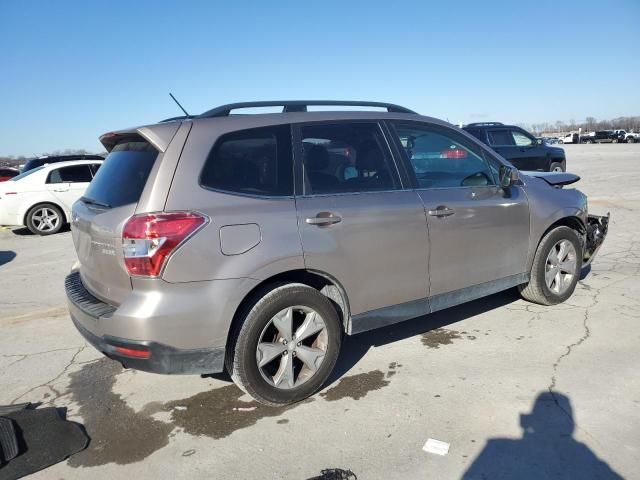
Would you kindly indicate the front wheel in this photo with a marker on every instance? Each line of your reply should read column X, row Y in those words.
column 287, row 346
column 45, row 219
column 556, row 268
column 631, row 140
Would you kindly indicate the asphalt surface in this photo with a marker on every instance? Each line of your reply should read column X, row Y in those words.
column 517, row 390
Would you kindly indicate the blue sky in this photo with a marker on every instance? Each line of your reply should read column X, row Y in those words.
column 70, row 71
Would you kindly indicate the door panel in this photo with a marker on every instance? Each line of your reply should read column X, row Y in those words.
column 355, row 221
column 484, row 237
column 378, row 249
column 478, row 231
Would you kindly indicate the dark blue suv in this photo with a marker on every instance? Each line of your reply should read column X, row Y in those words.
column 518, row 146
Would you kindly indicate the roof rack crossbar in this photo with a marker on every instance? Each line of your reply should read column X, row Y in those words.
column 299, row 106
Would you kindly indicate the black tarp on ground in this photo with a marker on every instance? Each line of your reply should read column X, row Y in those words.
column 44, row 438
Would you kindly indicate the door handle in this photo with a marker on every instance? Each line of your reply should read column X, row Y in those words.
column 323, row 219
column 441, row 211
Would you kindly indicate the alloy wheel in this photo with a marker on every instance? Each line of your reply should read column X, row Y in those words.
column 292, row 346
column 45, row 219
column 560, row 267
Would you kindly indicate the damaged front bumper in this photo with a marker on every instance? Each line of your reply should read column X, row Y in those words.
column 597, row 227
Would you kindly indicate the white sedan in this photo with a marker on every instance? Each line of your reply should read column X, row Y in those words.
column 41, row 199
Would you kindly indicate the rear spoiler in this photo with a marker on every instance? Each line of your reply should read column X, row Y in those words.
column 555, row 179
column 159, row 135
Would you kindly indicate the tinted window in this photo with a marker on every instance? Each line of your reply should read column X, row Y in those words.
column 94, row 168
column 500, row 137
column 123, row 174
column 256, row 161
column 477, row 132
column 443, row 159
column 346, row 157
column 73, row 174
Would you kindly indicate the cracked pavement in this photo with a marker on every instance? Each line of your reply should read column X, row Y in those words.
column 465, row 376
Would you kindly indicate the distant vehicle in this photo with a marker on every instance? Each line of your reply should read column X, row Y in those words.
column 629, row 137
column 518, row 146
column 549, row 140
column 41, row 198
column 573, row 137
column 601, row 136
column 7, row 173
column 46, row 160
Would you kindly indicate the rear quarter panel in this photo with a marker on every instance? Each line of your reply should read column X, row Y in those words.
column 278, row 245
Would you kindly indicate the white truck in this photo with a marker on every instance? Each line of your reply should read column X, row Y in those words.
column 629, row 137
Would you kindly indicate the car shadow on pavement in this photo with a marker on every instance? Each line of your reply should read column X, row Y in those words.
column 25, row 232
column 355, row 347
column 546, row 449
column 6, row 256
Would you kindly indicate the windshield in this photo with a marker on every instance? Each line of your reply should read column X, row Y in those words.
column 123, row 175
column 26, row 174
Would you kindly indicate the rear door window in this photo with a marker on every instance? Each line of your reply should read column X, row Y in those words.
column 501, row 137
column 73, row 174
column 346, row 157
column 123, row 174
column 256, row 161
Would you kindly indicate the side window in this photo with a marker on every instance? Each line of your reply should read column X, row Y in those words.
column 94, row 168
column 443, row 159
column 255, row 161
column 520, row 139
column 477, row 132
column 346, row 157
column 500, row 137
column 73, row 174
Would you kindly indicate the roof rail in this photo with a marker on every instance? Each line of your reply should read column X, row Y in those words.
column 299, row 106
column 483, row 124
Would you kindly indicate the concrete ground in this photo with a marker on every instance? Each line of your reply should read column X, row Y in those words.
column 478, row 376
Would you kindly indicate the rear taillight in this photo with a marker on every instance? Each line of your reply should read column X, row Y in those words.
column 150, row 238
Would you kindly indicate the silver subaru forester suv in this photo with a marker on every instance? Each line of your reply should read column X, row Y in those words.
column 255, row 242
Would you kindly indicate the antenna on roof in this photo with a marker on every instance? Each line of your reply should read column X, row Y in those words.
column 178, row 103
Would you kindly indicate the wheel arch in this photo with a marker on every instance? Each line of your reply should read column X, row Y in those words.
column 574, row 222
column 321, row 281
column 44, row 202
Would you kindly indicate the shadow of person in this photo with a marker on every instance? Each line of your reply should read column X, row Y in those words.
column 547, row 449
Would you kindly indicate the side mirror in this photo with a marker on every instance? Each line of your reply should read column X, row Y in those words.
column 508, row 176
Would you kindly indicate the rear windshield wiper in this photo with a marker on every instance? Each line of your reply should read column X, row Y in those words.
column 91, row 201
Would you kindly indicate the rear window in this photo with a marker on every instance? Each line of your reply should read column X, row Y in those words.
column 255, row 162
column 123, row 174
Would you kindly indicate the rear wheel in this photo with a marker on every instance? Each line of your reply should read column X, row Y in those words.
column 556, row 268
column 45, row 219
column 615, row 140
column 631, row 140
column 556, row 167
column 287, row 345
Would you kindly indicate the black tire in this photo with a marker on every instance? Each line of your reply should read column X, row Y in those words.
column 32, row 222
column 556, row 165
column 536, row 290
column 615, row 140
column 242, row 362
column 561, row 142
column 631, row 140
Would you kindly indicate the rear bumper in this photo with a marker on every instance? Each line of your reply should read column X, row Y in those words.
column 597, row 228
column 95, row 320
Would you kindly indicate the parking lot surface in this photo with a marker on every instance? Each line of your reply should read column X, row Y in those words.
column 517, row 390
